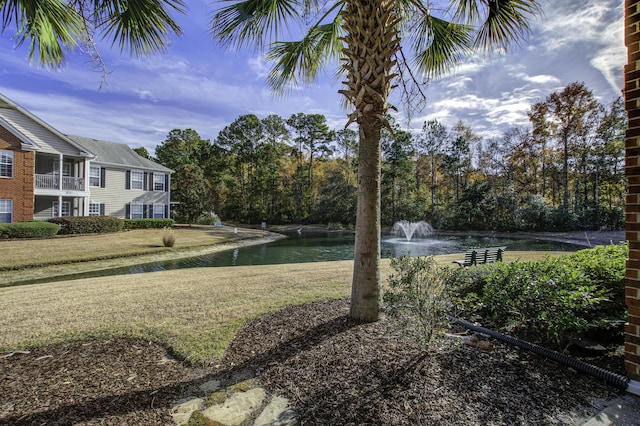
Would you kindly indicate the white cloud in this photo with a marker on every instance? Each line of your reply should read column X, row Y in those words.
column 259, row 66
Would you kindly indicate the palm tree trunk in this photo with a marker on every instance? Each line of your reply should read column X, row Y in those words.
column 372, row 42
column 366, row 268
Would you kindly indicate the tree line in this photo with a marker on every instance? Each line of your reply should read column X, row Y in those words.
column 562, row 170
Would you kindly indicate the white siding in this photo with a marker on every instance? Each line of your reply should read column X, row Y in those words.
column 48, row 141
column 115, row 197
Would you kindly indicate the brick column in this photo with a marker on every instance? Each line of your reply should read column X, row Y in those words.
column 632, row 163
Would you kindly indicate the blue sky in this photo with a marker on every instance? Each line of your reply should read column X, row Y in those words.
column 196, row 84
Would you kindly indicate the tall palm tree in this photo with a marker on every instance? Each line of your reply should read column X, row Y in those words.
column 364, row 36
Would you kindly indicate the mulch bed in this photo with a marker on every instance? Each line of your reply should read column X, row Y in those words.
column 332, row 369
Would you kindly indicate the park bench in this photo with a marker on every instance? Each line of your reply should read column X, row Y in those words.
column 479, row 256
column 470, row 258
column 493, row 254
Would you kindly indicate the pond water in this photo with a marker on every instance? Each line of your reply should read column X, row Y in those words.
column 329, row 246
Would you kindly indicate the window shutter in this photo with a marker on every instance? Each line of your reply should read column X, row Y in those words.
column 166, row 183
column 151, row 211
column 166, row 210
column 127, row 181
column 103, row 177
column 151, row 183
column 102, row 208
column 127, row 213
column 145, row 211
column 145, row 185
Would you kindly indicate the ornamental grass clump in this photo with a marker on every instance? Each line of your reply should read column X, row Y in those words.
column 168, row 238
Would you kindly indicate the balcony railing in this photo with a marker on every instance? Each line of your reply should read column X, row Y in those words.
column 53, row 182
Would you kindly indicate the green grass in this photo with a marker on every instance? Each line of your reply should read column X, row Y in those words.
column 195, row 312
column 21, row 254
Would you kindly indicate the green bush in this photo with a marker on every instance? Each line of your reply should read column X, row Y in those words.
column 208, row 219
column 417, row 296
column 87, row 224
column 551, row 301
column 148, row 223
column 35, row 229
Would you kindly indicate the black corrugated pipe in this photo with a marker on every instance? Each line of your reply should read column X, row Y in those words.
column 610, row 377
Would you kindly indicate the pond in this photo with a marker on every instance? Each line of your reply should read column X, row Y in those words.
column 328, row 246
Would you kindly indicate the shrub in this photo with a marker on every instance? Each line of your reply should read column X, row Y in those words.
column 554, row 300
column 417, row 296
column 35, row 229
column 87, row 224
column 208, row 219
column 168, row 238
column 148, row 223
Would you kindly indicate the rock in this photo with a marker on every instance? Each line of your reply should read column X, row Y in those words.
column 276, row 413
column 237, row 408
column 211, row 386
column 589, row 346
column 183, row 409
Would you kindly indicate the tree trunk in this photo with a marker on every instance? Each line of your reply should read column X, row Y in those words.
column 365, row 300
column 372, row 42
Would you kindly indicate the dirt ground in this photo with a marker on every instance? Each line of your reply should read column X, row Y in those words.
column 332, row 369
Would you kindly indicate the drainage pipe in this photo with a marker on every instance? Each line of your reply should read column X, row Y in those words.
column 610, row 377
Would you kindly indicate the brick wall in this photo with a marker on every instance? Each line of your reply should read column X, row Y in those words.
column 20, row 187
column 632, row 156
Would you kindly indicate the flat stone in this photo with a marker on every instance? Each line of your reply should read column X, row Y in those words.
column 211, row 386
column 590, row 346
column 183, row 409
column 237, row 408
column 276, row 413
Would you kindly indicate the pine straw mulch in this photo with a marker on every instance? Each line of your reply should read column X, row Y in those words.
column 334, row 371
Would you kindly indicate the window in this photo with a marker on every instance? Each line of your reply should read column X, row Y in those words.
column 137, row 179
column 158, row 211
column 66, row 209
column 66, row 169
column 6, row 211
column 137, row 211
column 94, row 176
column 94, row 209
column 158, row 182
column 6, row 163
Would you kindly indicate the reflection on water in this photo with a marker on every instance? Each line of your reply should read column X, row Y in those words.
column 329, row 246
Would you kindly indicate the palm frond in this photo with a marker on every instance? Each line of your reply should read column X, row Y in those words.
column 255, row 21
column 50, row 27
column 302, row 60
column 466, row 10
column 506, row 21
column 141, row 25
column 439, row 44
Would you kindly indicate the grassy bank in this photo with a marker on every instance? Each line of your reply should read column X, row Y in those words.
column 195, row 312
column 20, row 254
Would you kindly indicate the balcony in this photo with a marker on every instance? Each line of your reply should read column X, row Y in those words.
column 53, row 182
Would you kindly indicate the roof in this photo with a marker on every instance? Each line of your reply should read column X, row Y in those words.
column 117, row 154
column 34, row 133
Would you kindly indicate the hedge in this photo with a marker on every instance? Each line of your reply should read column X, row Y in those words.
column 35, row 229
column 88, row 224
column 148, row 223
column 552, row 301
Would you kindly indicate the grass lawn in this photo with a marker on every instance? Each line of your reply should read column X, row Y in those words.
column 195, row 312
column 19, row 254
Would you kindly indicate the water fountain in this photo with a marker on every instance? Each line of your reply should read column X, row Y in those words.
column 409, row 229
